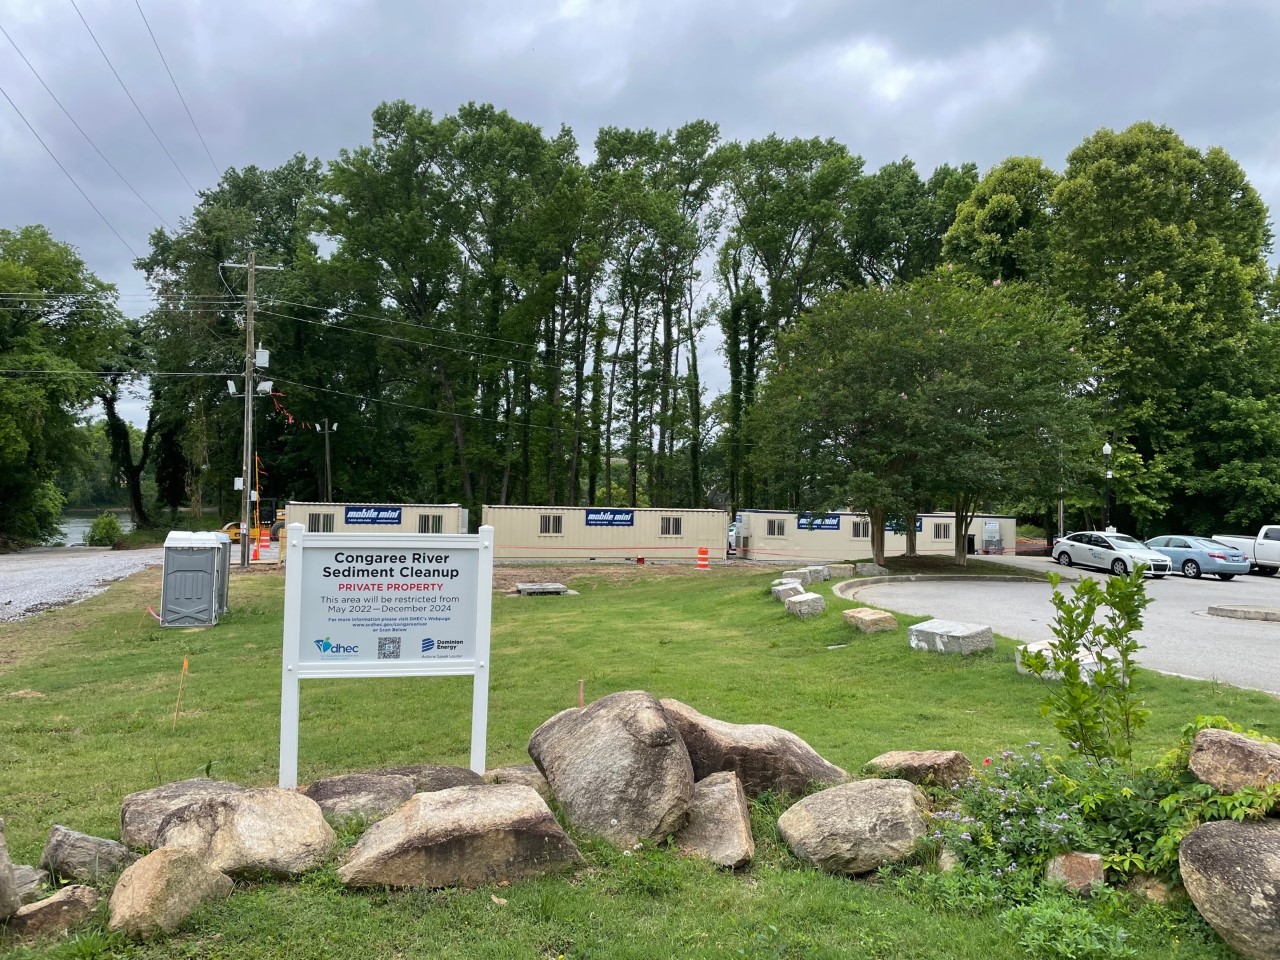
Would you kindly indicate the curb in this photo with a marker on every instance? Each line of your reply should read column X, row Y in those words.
column 1245, row 613
column 847, row 589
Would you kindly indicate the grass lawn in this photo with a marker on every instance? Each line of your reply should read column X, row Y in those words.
column 87, row 715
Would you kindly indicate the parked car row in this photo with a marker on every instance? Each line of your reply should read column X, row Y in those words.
column 1119, row 553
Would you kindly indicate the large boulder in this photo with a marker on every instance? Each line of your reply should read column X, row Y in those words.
column 1231, row 761
column 1077, row 871
column 461, row 837
column 156, row 894
column 78, row 856
column 618, row 767
column 941, row 767
column 265, row 830
column 427, row 777
column 856, row 827
column 524, row 774
column 719, row 827
column 370, row 795
column 55, row 914
column 1232, row 874
column 31, row 882
column 763, row 757
column 10, row 901
column 142, row 812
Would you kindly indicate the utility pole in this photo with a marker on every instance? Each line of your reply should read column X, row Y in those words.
column 246, row 474
column 328, row 472
column 250, row 388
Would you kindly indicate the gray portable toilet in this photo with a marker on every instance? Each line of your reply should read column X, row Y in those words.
column 189, row 583
column 224, row 570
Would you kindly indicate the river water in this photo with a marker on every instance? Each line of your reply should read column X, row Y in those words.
column 75, row 525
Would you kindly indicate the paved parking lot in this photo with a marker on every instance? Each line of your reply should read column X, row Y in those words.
column 1179, row 636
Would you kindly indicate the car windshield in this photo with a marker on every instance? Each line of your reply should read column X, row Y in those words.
column 1123, row 540
column 1211, row 544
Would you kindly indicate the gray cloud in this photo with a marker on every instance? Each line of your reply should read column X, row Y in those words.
column 939, row 82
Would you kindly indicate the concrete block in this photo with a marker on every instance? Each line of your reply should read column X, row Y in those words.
column 950, row 636
column 870, row 621
column 1084, row 656
column 802, row 575
column 818, row 572
column 541, row 589
column 805, row 605
column 783, row 591
column 871, row 570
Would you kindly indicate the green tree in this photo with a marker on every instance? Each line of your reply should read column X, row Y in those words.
column 942, row 390
column 1001, row 230
column 1162, row 248
column 58, row 326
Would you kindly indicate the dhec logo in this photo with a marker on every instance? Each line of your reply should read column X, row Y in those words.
column 428, row 645
column 329, row 649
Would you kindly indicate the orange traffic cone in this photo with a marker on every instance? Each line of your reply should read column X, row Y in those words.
column 255, row 551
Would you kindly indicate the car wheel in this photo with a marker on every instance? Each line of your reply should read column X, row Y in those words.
column 1118, row 567
column 1226, row 576
column 276, row 529
column 1064, row 558
column 1267, row 571
column 1191, row 569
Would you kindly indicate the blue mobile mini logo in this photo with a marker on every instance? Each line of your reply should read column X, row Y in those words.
column 428, row 645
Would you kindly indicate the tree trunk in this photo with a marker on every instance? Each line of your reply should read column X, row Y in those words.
column 122, row 452
column 876, row 515
column 966, row 506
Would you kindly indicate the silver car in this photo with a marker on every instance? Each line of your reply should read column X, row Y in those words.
column 1197, row 555
column 1117, row 552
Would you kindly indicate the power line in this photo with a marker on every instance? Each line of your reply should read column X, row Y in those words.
column 409, row 323
column 132, row 100
column 86, row 136
column 111, row 373
column 417, row 343
column 216, row 169
column 74, row 183
column 406, row 406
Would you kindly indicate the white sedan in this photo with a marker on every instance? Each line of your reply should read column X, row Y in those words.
column 1116, row 552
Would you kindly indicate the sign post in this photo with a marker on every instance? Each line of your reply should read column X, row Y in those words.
column 385, row 605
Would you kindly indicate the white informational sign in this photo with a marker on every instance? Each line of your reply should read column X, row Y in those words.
column 385, row 605
column 990, row 529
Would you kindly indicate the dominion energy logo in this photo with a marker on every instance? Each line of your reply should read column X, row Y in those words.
column 330, row 649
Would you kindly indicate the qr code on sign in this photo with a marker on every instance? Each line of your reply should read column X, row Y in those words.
column 388, row 648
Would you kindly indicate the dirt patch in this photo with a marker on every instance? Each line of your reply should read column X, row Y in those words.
column 27, row 694
column 505, row 578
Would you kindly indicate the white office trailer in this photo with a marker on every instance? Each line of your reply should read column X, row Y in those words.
column 781, row 536
column 605, row 533
column 378, row 517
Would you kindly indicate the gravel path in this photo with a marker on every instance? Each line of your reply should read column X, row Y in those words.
column 45, row 577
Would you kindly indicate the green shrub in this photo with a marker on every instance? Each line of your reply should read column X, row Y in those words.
column 1097, row 713
column 105, row 531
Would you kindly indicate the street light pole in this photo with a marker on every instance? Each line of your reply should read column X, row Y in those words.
column 1106, row 500
column 328, row 471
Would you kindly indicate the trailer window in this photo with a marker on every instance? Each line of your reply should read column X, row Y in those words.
column 431, row 523
column 776, row 528
column 942, row 531
column 861, row 529
column 551, row 525
column 672, row 526
column 319, row 523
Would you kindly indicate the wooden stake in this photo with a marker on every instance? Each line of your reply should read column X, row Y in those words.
column 181, row 683
column 580, row 694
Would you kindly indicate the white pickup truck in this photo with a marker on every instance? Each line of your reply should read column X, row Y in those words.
column 1263, row 550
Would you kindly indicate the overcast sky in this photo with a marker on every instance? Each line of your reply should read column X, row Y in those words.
column 937, row 82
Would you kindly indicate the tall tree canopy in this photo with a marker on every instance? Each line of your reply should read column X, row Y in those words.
column 59, row 328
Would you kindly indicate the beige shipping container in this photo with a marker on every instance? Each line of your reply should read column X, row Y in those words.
column 781, row 536
column 378, row 517
column 605, row 533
